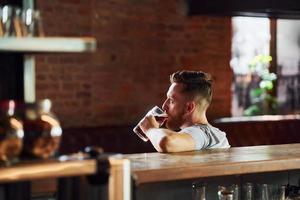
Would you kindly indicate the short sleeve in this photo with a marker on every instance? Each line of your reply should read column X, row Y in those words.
column 199, row 136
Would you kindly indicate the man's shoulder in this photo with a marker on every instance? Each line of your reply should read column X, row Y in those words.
column 201, row 126
column 206, row 128
column 195, row 128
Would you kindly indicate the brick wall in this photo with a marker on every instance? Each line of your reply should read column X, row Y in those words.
column 139, row 44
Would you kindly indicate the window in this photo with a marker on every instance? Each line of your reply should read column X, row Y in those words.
column 252, row 37
column 288, row 66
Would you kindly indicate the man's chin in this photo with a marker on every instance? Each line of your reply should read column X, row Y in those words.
column 172, row 127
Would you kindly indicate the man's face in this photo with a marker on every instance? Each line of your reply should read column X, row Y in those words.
column 174, row 106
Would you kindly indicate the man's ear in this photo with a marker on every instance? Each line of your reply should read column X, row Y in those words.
column 190, row 106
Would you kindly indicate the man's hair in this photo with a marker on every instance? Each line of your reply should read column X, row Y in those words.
column 197, row 83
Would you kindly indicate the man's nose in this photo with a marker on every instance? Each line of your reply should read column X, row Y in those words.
column 164, row 106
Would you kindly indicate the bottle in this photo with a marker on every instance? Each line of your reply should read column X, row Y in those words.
column 11, row 133
column 42, row 131
column 198, row 191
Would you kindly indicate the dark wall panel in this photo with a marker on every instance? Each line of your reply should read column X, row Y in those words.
column 11, row 76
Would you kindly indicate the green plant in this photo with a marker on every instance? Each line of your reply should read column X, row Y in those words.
column 261, row 98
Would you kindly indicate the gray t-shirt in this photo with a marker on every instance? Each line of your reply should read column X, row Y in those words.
column 206, row 136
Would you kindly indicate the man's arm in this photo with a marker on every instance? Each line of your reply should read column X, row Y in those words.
column 165, row 140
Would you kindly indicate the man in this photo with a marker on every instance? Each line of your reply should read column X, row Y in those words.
column 188, row 98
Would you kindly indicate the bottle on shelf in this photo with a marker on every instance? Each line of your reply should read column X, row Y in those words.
column 42, row 130
column 11, row 133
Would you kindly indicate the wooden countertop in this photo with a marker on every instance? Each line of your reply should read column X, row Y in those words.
column 156, row 167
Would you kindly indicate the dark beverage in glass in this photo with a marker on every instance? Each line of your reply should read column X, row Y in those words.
column 160, row 117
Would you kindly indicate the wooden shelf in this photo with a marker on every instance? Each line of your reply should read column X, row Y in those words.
column 119, row 182
column 47, row 169
column 48, row 44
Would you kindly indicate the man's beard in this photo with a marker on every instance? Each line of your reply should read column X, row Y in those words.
column 174, row 123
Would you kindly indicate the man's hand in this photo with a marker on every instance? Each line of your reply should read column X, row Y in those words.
column 148, row 122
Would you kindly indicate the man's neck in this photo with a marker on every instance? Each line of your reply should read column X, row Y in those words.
column 196, row 119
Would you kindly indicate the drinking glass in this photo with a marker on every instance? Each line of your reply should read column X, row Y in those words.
column 281, row 193
column 269, row 192
column 198, row 191
column 33, row 26
column 248, row 191
column 236, row 191
column 231, row 192
column 159, row 115
column 17, row 22
column 1, row 24
column 7, row 14
column 265, row 194
column 225, row 193
column 11, row 21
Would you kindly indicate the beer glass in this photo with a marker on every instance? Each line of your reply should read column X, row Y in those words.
column 159, row 115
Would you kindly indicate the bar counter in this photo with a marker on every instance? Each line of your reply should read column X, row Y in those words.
column 169, row 176
column 159, row 167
